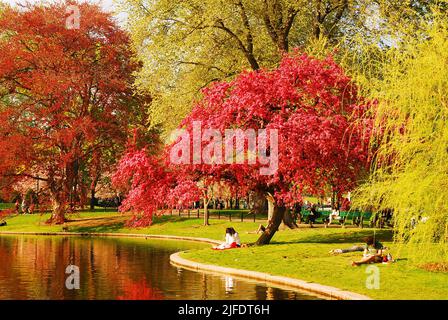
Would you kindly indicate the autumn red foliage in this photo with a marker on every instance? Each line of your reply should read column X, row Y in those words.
column 139, row 290
column 66, row 100
column 323, row 138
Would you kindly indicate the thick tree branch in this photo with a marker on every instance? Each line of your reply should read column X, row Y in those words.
column 249, row 38
column 249, row 55
column 280, row 28
column 27, row 175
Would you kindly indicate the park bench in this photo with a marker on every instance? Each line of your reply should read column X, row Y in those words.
column 356, row 217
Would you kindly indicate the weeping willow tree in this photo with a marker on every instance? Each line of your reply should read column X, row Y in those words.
column 410, row 167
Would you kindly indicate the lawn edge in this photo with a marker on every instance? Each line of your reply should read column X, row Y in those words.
column 177, row 260
column 327, row 291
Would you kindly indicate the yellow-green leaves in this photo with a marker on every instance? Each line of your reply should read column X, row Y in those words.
column 187, row 44
column 411, row 171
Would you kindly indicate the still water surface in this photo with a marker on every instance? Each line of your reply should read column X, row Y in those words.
column 112, row 268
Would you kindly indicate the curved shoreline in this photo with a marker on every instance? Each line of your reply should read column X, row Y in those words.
column 327, row 291
column 112, row 234
column 177, row 260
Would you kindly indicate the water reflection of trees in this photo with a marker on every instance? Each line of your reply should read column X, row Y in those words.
column 34, row 268
column 139, row 290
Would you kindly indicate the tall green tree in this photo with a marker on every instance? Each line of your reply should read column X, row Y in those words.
column 186, row 45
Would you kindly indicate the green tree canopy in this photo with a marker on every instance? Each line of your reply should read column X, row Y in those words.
column 186, row 45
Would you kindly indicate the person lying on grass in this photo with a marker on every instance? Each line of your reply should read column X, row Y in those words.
column 373, row 252
column 261, row 229
column 232, row 240
column 351, row 249
column 355, row 248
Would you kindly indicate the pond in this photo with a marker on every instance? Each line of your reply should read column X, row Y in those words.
column 34, row 267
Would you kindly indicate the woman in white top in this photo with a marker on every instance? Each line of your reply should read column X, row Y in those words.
column 232, row 240
column 334, row 215
column 236, row 237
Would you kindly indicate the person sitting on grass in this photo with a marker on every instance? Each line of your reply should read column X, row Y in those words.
column 232, row 240
column 373, row 252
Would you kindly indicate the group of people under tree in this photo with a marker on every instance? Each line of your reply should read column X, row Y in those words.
column 373, row 250
column 314, row 213
column 26, row 203
column 309, row 212
column 379, row 219
column 222, row 204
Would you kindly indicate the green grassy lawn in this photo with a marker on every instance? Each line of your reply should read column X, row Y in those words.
column 301, row 253
column 6, row 205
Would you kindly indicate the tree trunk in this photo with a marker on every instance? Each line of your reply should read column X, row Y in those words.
column 92, row 199
column 58, row 215
column 237, row 200
column 271, row 229
column 333, row 198
column 206, row 215
column 271, row 205
column 270, row 209
column 288, row 220
column 59, row 202
column 95, row 175
column 259, row 203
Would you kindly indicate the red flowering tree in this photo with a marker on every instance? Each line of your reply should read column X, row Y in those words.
column 66, row 103
column 303, row 130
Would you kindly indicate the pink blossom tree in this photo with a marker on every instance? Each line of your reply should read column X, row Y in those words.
column 299, row 129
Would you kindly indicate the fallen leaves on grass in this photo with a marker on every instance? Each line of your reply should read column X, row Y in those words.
column 435, row 267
